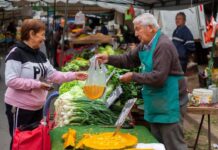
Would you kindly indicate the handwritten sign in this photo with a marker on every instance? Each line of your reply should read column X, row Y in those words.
column 125, row 111
column 114, row 95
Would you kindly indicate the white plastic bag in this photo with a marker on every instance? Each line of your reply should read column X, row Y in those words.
column 80, row 18
column 95, row 84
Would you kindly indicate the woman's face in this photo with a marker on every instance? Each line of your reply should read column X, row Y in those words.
column 37, row 38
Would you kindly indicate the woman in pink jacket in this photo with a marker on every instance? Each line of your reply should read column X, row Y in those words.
column 26, row 70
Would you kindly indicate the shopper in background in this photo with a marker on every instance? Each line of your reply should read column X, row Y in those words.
column 183, row 40
column 49, row 39
column 57, row 37
column 104, row 29
column 12, row 29
column 28, row 75
column 164, row 88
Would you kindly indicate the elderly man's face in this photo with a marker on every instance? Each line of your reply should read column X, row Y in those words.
column 144, row 33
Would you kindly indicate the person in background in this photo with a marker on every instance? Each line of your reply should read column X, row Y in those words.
column 28, row 74
column 49, row 39
column 57, row 37
column 183, row 40
column 12, row 29
column 104, row 29
column 164, row 87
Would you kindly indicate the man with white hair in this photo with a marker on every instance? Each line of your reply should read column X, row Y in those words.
column 164, row 88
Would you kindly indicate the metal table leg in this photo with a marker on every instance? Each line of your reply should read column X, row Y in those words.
column 199, row 130
column 209, row 133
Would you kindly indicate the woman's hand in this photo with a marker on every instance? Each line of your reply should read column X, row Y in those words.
column 45, row 86
column 102, row 58
column 81, row 76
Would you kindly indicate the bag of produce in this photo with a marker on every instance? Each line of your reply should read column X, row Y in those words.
column 95, row 84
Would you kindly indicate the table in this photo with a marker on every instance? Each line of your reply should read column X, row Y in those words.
column 203, row 111
column 144, row 136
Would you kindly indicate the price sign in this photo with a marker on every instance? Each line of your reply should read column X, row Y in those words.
column 114, row 95
column 125, row 111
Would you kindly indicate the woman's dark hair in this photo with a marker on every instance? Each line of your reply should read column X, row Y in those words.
column 28, row 25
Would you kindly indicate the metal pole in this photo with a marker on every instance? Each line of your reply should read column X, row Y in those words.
column 209, row 133
column 199, row 130
column 54, row 16
column 47, row 15
column 3, row 16
column 64, row 32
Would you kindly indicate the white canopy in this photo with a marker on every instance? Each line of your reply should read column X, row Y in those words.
column 121, row 5
column 146, row 4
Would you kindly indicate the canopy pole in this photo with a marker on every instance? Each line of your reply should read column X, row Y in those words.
column 54, row 16
column 3, row 16
column 47, row 15
column 64, row 32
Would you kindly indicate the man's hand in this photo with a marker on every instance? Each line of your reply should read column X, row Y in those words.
column 127, row 77
column 102, row 58
column 81, row 76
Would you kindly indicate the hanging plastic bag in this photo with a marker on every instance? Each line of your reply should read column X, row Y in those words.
column 80, row 18
column 95, row 84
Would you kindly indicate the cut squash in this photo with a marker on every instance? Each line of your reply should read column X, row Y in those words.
column 106, row 141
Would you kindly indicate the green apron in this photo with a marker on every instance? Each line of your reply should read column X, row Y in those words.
column 161, row 104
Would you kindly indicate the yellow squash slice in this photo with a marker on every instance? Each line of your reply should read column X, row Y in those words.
column 106, row 141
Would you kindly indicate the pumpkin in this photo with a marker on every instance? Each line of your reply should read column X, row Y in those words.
column 106, row 141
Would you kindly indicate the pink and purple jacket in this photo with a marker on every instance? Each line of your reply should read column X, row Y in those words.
column 25, row 69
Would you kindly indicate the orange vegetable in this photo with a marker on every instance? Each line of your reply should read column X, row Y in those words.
column 106, row 141
column 69, row 138
column 80, row 144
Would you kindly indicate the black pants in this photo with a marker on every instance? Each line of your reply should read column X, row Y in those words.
column 17, row 117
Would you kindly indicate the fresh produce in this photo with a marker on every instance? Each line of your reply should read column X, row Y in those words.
column 108, row 49
column 75, row 65
column 80, row 144
column 78, row 30
column 69, row 138
column 130, row 90
column 65, row 87
column 73, row 107
column 82, row 111
column 109, row 141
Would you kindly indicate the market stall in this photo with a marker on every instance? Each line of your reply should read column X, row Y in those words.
column 63, row 123
column 86, row 116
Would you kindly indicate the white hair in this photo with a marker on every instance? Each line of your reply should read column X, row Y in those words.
column 146, row 19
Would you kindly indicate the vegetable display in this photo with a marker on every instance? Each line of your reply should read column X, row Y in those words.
column 73, row 107
column 75, row 65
